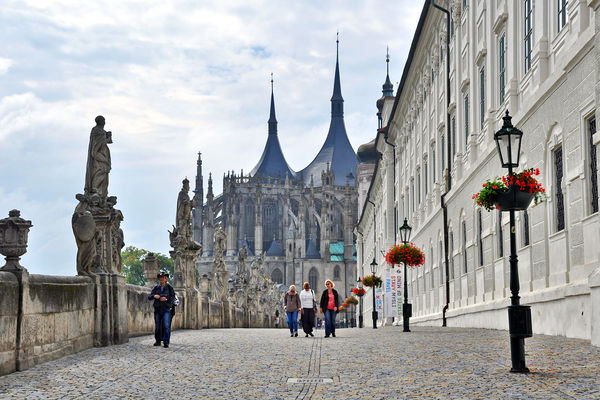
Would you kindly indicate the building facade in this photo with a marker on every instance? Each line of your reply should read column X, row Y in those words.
column 301, row 220
column 538, row 60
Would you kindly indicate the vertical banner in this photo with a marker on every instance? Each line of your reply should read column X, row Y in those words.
column 388, row 293
column 379, row 301
column 399, row 290
column 393, row 293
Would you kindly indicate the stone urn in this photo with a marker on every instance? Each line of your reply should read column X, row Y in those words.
column 13, row 239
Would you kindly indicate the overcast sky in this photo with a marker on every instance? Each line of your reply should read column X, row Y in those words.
column 173, row 78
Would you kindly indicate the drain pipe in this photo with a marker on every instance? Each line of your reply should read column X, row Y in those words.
column 449, row 154
column 385, row 138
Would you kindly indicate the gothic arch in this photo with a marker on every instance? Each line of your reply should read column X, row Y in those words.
column 313, row 278
column 277, row 276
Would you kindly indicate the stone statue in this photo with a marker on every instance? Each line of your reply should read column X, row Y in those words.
column 98, row 161
column 183, row 221
column 255, row 273
column 242, row 271
column 220, row 272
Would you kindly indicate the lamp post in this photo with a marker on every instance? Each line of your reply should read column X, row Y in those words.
column 405, row 230
column 508, row 144
column 373, row 270
column 360, row 306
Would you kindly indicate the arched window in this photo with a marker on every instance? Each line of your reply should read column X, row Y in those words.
column 313, row 279
column 277, row 276
column 249, row 220
column 336, row 273
column 270, row 222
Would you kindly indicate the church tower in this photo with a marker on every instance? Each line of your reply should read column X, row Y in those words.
column 198, row 211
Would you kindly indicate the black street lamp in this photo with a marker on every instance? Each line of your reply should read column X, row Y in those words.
column 405, row 230
column 360, row 306
column 508, row 144
column 373, row 270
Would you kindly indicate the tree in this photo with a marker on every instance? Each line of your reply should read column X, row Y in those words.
column 133, row 269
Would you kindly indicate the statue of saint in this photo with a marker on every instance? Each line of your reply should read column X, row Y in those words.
column 98, row 162
column 184, row 212
column 242, row 270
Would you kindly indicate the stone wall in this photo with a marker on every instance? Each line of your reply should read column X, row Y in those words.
column 56, row 319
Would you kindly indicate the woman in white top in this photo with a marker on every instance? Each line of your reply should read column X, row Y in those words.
column 307, row 300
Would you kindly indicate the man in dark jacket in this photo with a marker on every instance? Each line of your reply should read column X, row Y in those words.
column 163, row 296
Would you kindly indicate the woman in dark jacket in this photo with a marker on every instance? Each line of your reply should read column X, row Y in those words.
column 330, row 301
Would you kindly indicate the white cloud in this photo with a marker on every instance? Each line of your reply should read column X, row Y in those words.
column 172, row 79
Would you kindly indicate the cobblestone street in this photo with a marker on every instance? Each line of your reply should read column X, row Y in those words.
column 362, row 364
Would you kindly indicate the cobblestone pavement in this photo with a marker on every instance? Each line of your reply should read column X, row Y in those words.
column 363, row 364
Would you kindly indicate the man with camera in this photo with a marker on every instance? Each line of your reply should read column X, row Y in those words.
column 163, row 296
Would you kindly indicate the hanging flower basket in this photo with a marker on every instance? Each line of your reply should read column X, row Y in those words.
column 351, row 300
column 359, row 291
column 405, row 253
column 512, row 192
column 372, row 280
column 341, row 309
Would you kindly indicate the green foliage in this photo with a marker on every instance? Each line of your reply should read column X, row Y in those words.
column 133, row 267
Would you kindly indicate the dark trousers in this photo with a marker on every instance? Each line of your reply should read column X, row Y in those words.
column 308, row 320
column 162, row 325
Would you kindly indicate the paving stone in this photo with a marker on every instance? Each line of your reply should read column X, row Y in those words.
column 433, row 363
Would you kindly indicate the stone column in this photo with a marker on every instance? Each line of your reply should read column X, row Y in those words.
column 13, row 244
column 150, row 269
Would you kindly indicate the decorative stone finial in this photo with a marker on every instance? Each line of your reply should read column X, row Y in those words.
column 13, row 239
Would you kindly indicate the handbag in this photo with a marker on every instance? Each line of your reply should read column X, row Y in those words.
column 314, row 301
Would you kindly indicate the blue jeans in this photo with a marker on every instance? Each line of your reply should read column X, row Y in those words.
column 162, row 324
column 329, row 322
column 292, row 320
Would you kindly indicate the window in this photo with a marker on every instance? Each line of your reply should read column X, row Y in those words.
column 525, row 228
column 425, row 177
column 412, row 196
column 441, row 262
column 562, row 13
column 464, row 4
column 419, row 188
column 558, row 177
column 480, row 237
column 501, row 68
column 453, row 137
column 433, row 163
column 443, row 151
column 593, row 166
column 464, row 246
column 466, row 120
column 432, row 77
column 277, row 276
column 527, row 31
column 481, row 98
column 249, row 220
column 500, row 236
column 270, row 223
column 313, row 278
column 336, row 273
column 451, row 254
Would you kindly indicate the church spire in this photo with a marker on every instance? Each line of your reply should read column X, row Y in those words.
column 272, row 119
column 337, row 101
column 388, row 87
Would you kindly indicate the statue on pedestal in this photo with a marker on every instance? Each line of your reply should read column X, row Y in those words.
column 220, row 272
column 95, row 222
column 242, row 271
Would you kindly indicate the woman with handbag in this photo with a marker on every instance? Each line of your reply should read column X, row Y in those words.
column 291, row 303
column 330, row 301
column 307, row 299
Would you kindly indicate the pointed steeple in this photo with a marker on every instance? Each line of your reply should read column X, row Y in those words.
column 272, row 119
column 272, row 163
column 388, row 87
column 337, row 152
column 337, row 101
column 199, row 189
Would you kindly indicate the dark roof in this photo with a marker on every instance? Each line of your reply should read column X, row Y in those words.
column 272, row 162
column 337, row 150
column 274, row 249
column 367, row 153
column 311, row 250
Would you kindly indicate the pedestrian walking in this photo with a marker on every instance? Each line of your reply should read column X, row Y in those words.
column 276, row 318
column 309, row 305
column 163, row 296
column 329, row 304
column 291, row 304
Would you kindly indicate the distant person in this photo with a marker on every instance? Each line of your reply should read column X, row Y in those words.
column 164, row 297
column 330, row 301
column 276, row 318
column 308, row 301
column 291, row 303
